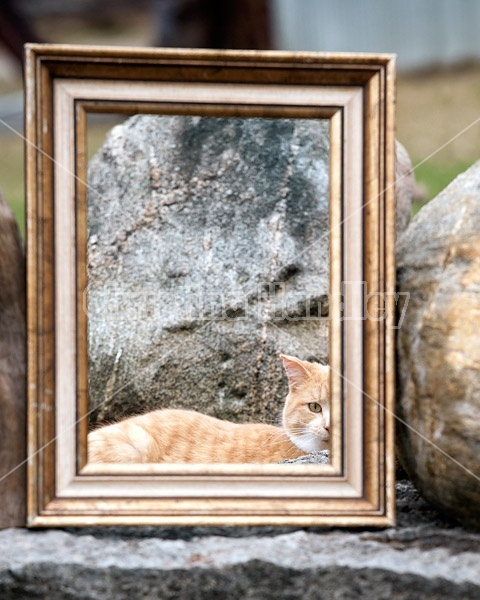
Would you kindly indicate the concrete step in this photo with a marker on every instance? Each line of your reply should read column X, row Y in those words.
column 424, row 556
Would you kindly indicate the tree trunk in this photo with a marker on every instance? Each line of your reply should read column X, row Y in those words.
column 15, row 29
column 12, row 372
column 236, row 24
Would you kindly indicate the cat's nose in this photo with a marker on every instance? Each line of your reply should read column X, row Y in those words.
column 327, row 427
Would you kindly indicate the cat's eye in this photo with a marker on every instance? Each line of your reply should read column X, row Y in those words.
column 315, row 407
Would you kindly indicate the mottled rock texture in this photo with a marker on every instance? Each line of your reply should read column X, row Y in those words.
column 322, row 457
column 438, row 261
column 423, row 557
column 404, row 188
column 12, row 370
column 208, row 247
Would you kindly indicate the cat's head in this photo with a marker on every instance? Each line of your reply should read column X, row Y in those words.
column 306, row 415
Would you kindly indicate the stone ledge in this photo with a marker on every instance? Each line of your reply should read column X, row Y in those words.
column 423, row 557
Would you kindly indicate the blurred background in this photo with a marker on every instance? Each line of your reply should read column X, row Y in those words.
column 437, row 43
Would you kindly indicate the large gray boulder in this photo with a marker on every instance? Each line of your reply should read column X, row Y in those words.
column 208, row 248
column 438, row 261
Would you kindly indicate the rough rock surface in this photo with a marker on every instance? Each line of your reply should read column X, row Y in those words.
column 208, row 248
column 438, row 260
column 322, row 457
column 404, row 188
column 423, row 557
column 12, row 370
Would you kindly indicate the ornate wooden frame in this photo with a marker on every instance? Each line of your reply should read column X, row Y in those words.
column 356, row 93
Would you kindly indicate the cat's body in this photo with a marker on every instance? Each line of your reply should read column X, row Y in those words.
column 188, row 436
column 176, row 435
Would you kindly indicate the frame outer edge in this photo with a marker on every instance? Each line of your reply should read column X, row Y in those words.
column 336, row 59
column 34, row 55
column 390, row 234
column 32, row 289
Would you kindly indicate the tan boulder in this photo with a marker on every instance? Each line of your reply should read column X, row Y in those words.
column 438, row 264
column 12, row 371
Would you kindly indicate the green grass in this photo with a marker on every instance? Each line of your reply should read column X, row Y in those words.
column 433, row 177
column 12, row 176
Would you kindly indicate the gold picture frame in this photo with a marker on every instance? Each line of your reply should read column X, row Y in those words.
column 355, row 92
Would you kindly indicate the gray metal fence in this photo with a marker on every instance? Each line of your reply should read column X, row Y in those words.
column 423, row 33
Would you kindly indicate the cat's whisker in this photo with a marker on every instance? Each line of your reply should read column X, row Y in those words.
column 274, row 440
column 276, row 436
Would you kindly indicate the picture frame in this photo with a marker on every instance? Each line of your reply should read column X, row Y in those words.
column 355, row 92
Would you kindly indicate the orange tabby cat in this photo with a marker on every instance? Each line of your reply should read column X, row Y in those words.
column 175, row 435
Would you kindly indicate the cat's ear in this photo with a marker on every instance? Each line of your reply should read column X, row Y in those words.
column 296, row 369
